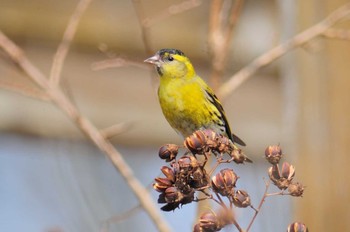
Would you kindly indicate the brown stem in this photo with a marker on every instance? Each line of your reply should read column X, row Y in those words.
column 145, row 32
column 220, row 37
column 268, row 57
column 267, row 185
column 62, row 102
column 68, row 36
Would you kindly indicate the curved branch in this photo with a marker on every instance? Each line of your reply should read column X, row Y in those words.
column 268, row 57
column 68, row 36
column 62, row 102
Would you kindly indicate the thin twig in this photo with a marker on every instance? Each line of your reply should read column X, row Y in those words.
column 144, row 28
column 298, row 40
column 333, row 33
column 171, row 11
column 62, row 102
column 24, row 90
column 267, row 185
column 118, row 62
column 126, row 215
column 220, row 36
column 68, row 36
column 281, row 193
column 114, row 130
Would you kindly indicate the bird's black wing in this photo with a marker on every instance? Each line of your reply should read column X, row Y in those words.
column 213, row 99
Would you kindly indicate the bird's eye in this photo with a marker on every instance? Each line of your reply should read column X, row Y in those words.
column 170, row 58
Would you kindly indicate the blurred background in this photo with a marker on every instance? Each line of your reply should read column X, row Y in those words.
column 54, row 179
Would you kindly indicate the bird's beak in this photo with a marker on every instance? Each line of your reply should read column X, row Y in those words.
column 153, row 59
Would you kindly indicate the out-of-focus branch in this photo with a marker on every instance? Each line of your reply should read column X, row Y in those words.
column 144, row 28
column 120, row 217
column 146, row 22
column 24, row 90
column 220, row 36
column 118, row 62
column 298, row 40
column 62, row 102
column 333, row 33
column 171, row 11
column 114, row 130
column 68, row 35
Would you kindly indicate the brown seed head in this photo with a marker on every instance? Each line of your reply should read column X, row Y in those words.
column 209, row 222
column 241, row 199
column 188, row 162
column 173, row 194
column 211, row 138
column 296, row 189
column 282, row 179
column 168, row 152
column 273, row 154
column 297, row 227
column 224, row 144
column 197, row 228
column 195, row 142
column 161, row 184
column 238, row 156
column 169, row 173
column 199, row 178
column 224, row 182
column 288, row 171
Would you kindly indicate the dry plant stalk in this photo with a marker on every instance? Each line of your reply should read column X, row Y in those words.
column 50, row 88
column 319, row 29
column 187, row 176
column 220, row 36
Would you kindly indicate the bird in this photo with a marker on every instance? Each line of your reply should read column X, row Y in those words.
column 186, row 100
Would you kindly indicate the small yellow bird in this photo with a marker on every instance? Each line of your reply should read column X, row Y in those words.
column 187, row 102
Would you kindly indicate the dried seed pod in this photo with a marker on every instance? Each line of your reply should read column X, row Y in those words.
column 297, row 227
column 196, row 142
column 197, row 228
column 173, row 194
column 296, row 189
column 224, row 182
column 188, row 197
column 273, row 154
column 274, row 173
column 282, row 179
column 169, row 173
column 161, row 184
column 288, row 171
column 168, row 152
column 187, row 162
column 211, row 138
column 199, row 178
column 209, row 222
column 239, row 157
column 241, row 199
column 224, row 144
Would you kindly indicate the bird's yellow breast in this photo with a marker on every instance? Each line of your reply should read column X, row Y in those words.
column 183, row 103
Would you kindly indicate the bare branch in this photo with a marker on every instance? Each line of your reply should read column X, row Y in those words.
column 144, row 28
column 267, row 185
column 63, row 48
column 114, row 130
column 118, row 62
column 298, row 40
column 62, row 102
column 24, row 90
column 341, row 34
column 146, row 22
column 220, row 36
column 171, row 11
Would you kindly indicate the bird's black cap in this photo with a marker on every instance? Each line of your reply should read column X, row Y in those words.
column 170, row 51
